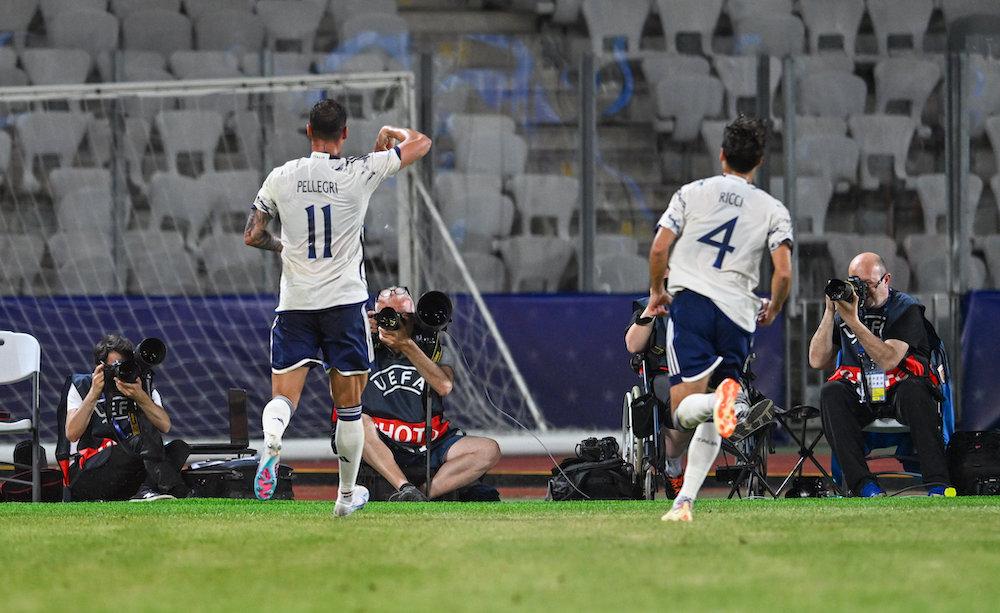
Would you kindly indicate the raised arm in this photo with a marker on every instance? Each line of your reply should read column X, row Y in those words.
column 412, row 145
column 659, row 256
column 256, row 233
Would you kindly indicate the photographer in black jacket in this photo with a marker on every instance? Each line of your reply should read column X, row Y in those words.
column 118, row 426
column 884, row 371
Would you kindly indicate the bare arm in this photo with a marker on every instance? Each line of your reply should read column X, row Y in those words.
column 637, row 336
column 77, row 419
column 440, row 378
column 154, row 412
column 256, row 234
column 659, row 257
column 412, row 145
column 821, row 348
column 781, row 283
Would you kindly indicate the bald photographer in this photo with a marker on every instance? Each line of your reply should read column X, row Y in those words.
column 883, row 372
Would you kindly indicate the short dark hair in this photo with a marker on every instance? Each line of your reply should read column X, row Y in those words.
column 112, row 342
column 327, row 119
column 743, row 143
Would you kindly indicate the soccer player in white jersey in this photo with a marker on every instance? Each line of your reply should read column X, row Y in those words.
column 321, row 202
column 718, row 228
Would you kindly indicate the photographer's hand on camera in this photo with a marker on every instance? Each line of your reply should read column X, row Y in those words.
column 848, row 311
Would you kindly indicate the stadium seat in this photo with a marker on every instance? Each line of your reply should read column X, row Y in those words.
column 680, row 17
column 20, row 360
column 156, row 30
column 488, row 272
column 83, row 263
column 124, row 8
column 850, row 245
column 488, row 144
column 229, row 30
column 490, row 216
column 983, row 100
column 770, row 34
column 64, row 181
column 381, row 223
column 928, row 256
column 546, row 196
column 5, row 147
column 289, row 21
column 455, row 186
column 905, row 79
column 195, row 9
column 8, row 58
column 739, row 76
column 621, row 274
column 809, row 125
column 83, row 209
column 812, row 200
column 56, row 66
column 688, row 100
column 245, row 125
column 287, row 144
column 956, row 9
column 56, row 134
column 992, row 126
column 566, row 12
column 22, row 258
column 136, row 142
column 827, row 20
column 15, row 17
column 231, row 266
column 536, row 261
column 657, row 66
column 830, row 156
column 13, row 77
column 52, row 8
column 739, row 10
column 205, row 65
column 712, row 133
column 622, row 20
column 283, row 64
column 182, row 199
column 361, row 135
column 144, row 66
column 806, row 64
column 340, row 8
column 189, row 132
column 231, row 194
column 159, row 264
column 93, row 31
column 991, row 251
column 932, row 191
column 882, row 135
column 900, row 24
column 832, row 93
column 615, row 244
column 387, row 31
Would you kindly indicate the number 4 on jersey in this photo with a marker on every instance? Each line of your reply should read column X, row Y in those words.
column 723, row 246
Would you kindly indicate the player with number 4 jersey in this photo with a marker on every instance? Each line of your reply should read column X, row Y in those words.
column 321, row 201
column 719, row 229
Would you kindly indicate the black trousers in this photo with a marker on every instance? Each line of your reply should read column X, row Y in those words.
column 117, row 474
column 914, row 405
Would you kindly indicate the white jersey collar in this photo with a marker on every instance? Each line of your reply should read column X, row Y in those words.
column 725, row 174
column 323, row 155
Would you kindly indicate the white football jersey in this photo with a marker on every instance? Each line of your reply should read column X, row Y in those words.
column 723, row 224
column 321, row 202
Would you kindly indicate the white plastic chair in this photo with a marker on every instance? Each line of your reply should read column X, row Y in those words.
column 657, row 66
column 124, row 8
column 205, row 65
column 928, row 256
column 906, row 79
column 180, row 198
column 56, row 134
column 812, row 201
column 619, row 19
column 832, row 93
column 365, row 29
column 381, row 235
column 15, row 17
column 51, row 8
column 20, row 360
column 454, row 186
column 189, row 132
column 956, row 9
column 810, row 125
column 56, row 66
column 899, row 21
column 156, row 30
column 229, row 30
column 739, row 76
column 538, row 259
column 825, row 19
column 488, row 144
column 231, row 266
column 83, row 262
column 770, row 34
column 831, row 156
column 850, row 245
column 712, row 132
column 490, row 215
column 287, row 144
column 195, row 9
column 983, row 100
column 621, row 274
column 993, row 132
column 882, row 135
column 488, row 271
column 991, row 251
column 93, row 31
column 231, row 194
column 22, row 257
column 806, row 64
column 688, row 100
column 140, row 65
column 85, row 209
column 64, row 181
column 932, row 191
column 283, row 63
column 615, row 244
column 5, row 147
column 739, row 10
column 689, row 17
column 546, row 196
column 340, row 9
column 290, row 20
column 159, row 264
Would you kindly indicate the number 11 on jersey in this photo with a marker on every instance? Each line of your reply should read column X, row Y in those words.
column 327, row 231
column 723, row 246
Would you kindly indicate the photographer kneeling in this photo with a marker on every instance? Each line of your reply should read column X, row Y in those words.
column 394, row 416
column 884, row 371
column 117, row 420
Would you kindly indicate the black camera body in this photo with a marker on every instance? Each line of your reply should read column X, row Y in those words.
column 433, row 315
column 839, row 289
column 139, row 364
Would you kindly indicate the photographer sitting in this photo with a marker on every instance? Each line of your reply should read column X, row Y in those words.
column 117, row 420
column 884, row 371
column 394, row 416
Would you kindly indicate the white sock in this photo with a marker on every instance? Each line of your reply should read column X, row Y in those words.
column 350, row 440
column 694, row 410
column 702, row 452
column 277, row 413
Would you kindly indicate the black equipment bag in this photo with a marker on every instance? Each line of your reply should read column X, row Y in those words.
column 974, row 462
column 52, row 485
column 597, row 473
column 233, row 479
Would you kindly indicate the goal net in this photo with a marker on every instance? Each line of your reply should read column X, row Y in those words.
column 122, row 208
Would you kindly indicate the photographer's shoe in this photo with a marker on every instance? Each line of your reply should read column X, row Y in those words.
column 408, row 493
column 871, row 490
column 357, row 501
column 146, row 494
column 266, row 479
column 724, row 413
column 681, row 511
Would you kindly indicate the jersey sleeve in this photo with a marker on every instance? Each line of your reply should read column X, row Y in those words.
column 155, row 396
column 267, row 197
column 383, row 164
column 780, row 230
column 673, row 217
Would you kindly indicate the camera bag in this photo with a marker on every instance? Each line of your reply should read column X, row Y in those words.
column 974, row 462
column 597, row 473
column 233, row 479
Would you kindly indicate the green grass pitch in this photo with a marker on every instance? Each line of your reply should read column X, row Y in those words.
column 896, row 554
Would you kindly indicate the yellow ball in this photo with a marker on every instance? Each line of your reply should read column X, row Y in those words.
column 950, row 492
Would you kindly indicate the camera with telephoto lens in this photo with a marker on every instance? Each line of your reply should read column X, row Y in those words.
column 597, row 450
column 433, row 314
column 838, row 289
column 132, row 366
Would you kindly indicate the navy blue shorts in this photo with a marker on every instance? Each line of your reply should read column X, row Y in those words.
column 409, row 456
column 702, row 341
column 336, row 338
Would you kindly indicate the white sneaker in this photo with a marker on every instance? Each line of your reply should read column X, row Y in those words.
column 265, row 482
column 359, row 498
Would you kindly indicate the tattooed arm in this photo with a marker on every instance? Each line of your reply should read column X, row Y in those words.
column 256, row 234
